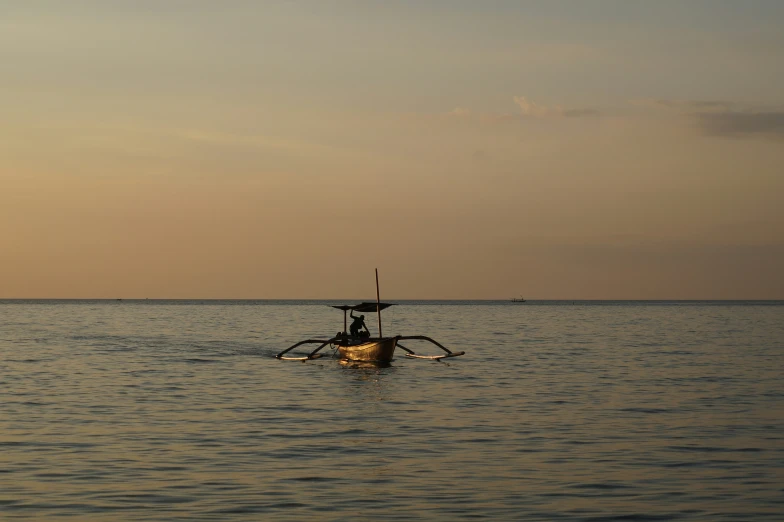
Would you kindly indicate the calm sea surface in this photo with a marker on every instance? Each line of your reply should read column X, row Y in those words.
column 166, row 410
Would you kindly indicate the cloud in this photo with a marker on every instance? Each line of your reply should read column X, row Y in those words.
column 527, row 110
column 460, row 111
column 532, row 109
column 579, row 113
column 709, row 105
column 722, row 118
column 712, row 117
column 734, row 123
column 685, row 105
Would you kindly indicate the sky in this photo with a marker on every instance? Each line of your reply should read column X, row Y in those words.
column 555, row 149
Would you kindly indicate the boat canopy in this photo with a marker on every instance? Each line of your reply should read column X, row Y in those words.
column 364, row 307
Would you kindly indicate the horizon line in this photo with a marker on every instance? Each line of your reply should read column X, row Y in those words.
column 508, row 300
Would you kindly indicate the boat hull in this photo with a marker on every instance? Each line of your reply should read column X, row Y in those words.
column 375, row 350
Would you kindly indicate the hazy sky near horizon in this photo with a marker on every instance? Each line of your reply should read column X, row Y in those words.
column 557, row 149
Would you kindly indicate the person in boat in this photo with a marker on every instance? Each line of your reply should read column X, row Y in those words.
column 357, row 325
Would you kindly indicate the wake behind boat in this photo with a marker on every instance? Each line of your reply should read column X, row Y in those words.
column 358, row 345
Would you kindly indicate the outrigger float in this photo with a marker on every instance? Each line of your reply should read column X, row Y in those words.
column 365, row 348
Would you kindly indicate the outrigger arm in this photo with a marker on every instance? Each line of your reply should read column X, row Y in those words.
column 312, row 355
column 410, row 353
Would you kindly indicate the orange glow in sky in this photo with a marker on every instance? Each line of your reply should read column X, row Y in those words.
column 468, row 150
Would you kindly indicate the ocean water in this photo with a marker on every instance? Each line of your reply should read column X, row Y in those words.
column 164, row 410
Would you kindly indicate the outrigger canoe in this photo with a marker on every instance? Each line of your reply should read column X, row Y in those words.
column 365, row 349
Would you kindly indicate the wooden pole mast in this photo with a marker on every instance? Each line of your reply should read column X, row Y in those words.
column 378, row 306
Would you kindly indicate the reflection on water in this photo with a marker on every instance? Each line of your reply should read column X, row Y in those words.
column 164, row 411
column 364, row 365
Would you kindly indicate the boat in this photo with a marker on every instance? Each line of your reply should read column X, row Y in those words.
column 515, row 300
column 357, row 347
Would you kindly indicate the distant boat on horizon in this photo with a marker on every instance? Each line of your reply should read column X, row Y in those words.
column 515, row 300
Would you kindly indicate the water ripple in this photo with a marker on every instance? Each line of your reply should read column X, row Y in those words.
column 178, row 411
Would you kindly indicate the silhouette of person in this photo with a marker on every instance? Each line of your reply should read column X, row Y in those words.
column 357, row 325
